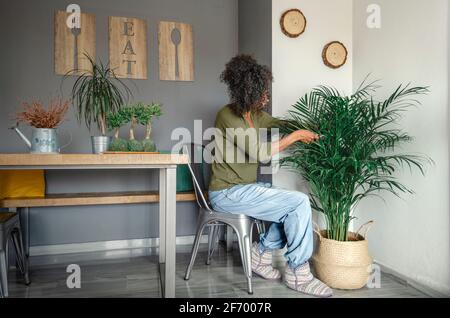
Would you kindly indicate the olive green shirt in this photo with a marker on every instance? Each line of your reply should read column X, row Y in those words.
column 238, row 148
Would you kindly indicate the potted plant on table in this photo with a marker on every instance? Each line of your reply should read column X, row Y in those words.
column 353, row 158
column 133, row 115
column 44, row 122
column 145, row 114
column 115, row 121
column 130, row 114
column 96, row 93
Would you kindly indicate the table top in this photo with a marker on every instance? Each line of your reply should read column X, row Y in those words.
column 29, row 160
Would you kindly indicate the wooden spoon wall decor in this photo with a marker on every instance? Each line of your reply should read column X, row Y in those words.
column 176, row 51
column 176, row 39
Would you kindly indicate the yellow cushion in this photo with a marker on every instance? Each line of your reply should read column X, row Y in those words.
column 22, row 183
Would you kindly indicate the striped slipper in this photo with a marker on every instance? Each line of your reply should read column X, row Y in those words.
column 262, row 264
column 303, row 281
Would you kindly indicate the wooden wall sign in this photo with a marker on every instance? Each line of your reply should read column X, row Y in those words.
column 293, row 23
column 334, row 54
column 72, row 43
column 128, row 47
column 176, row 51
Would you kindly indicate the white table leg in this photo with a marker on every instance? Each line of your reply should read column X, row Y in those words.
column 162, row 215
column 168, row 201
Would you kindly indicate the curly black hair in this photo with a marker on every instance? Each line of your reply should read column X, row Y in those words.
column 248, row 83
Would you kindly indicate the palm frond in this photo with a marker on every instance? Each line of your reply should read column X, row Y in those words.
column 355, row 156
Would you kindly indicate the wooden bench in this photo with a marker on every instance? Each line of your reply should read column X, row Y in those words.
column 22, row 205
column 102, row 198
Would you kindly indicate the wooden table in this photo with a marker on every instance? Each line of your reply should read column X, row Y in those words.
column 166, row 163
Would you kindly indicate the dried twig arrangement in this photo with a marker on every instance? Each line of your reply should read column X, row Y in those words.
column 38, row 116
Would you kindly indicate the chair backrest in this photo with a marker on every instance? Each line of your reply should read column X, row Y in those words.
column 197, row 166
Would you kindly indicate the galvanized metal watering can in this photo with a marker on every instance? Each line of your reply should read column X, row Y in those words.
column 43, row 140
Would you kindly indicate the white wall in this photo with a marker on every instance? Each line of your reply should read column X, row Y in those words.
column 297, row 63
column 411, row 236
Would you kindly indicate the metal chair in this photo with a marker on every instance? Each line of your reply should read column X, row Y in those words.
column 10, row 230
column 241, row 224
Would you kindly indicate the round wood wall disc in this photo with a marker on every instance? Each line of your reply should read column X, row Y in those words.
column 334, row 54
column 293, row 23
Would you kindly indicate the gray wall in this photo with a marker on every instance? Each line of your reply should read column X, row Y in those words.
column 27, row 73
column 255, row 29
column 255, row 38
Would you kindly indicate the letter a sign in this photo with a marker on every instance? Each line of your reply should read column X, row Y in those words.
column 128, row 47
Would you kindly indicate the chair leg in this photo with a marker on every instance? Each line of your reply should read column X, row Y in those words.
column 229, row 238
column 18, row 252
column 260, row 226
column 4, row 272
column 22, row 259
column 216, row 238
column 244, row 234
column 212, row 241
column 24, row 215
column 212, row 228
column 198, row 236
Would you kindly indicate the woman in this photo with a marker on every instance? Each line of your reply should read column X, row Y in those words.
column 233, row 187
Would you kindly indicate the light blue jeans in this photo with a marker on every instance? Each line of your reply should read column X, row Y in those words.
column 290, row 212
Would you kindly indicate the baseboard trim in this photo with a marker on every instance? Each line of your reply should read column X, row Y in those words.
column 101, row 246
column 413, row 283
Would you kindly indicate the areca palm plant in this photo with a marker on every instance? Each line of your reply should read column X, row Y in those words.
column 356, row 154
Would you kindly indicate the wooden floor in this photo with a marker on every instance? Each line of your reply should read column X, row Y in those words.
column 133, row 274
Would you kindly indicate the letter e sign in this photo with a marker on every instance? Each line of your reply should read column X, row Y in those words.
column 128, row 47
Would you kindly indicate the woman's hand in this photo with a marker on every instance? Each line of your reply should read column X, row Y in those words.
column 305, row 136
column 302, row 135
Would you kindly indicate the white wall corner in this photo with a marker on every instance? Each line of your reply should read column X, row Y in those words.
column 412, row 234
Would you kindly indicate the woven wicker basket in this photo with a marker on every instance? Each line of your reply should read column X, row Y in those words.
column 343, row 265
